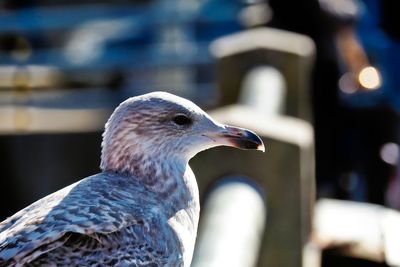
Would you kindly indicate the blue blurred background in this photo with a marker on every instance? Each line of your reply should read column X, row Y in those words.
column 64, row 66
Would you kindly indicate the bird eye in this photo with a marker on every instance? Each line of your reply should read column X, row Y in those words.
column 181, row 119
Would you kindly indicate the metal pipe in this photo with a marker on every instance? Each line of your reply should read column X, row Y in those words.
column 264, row 89
column 232, row 225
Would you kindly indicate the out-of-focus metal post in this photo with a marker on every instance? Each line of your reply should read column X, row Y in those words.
column 246, row 61
column 233, row 225
column 264, row 90
column 285, row 172
column 290, row 53
column 360, row 230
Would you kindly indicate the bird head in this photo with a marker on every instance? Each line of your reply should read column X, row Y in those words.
column 162, row 125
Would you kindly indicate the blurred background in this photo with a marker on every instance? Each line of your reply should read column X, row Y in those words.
column 319, row 80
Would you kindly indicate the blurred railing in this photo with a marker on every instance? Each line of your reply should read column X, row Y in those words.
column 268, row 80
column 233, row 225
column 264, row 79
column 357, row 230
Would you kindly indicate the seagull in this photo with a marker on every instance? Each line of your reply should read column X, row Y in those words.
column 142, row 209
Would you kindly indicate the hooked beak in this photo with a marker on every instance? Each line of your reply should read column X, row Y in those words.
column 238, row 138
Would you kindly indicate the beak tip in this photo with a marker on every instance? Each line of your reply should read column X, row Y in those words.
column 243, row 139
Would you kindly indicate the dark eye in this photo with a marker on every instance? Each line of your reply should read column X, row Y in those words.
column 181, row 119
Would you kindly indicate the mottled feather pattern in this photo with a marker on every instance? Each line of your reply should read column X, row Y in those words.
column 66, row 212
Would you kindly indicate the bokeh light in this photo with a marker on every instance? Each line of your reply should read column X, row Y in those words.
column 370, row 78
column 390, row 153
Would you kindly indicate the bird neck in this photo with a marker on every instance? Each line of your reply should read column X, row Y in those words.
column 161, row 172
column 156, row 167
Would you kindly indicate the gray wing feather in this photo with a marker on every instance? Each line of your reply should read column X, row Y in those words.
column 98, row 204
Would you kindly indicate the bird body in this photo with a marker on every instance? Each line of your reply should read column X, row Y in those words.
column 142, row 209
column 125, row 226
